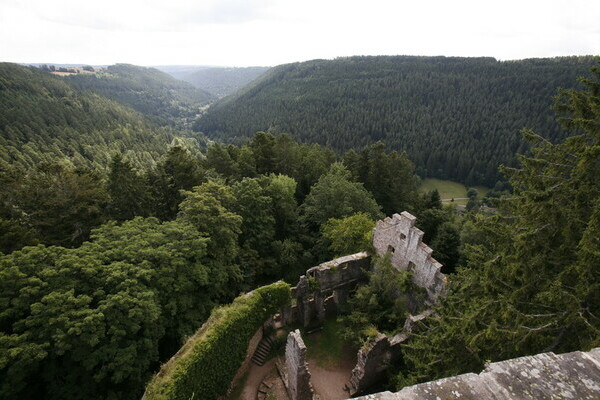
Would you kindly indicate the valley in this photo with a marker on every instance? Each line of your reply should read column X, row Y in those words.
column 144, row 219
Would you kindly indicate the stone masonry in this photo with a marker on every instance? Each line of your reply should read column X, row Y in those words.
column 373, row 359
column 298, row 376
column 399, row 236
column 545, row 376
column 325, row 288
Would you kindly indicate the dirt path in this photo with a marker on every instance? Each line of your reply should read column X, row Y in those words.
column 255, row 377
column 329, row 381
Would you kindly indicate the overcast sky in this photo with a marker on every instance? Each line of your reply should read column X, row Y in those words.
column 271, row 32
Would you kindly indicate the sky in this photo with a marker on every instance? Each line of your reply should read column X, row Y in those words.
column 272, row 32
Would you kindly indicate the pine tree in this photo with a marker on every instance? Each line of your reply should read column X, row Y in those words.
column 534, row 286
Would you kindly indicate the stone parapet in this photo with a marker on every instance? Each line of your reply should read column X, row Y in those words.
column 548, row 376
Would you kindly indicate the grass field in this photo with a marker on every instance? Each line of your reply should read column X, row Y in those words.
column 450, row 190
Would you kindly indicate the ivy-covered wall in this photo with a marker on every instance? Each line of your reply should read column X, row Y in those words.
column 206, row 364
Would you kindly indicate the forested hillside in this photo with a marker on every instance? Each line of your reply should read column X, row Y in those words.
column 223, row 81
column 115, row 246
column 458, row 118
column 43, row 118
column 96, row 316
column 147, row 90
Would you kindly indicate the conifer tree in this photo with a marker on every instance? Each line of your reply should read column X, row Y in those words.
column 535, row 285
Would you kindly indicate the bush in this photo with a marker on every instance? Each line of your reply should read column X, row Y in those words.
column 205, row 366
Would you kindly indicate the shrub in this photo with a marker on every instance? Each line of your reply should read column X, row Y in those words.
column 206, row 364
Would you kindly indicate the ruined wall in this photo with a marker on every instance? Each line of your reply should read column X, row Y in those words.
column 378, row 354
column 297, row 374
column 372, row 359
column 325, row 288
column 399, row 236
column 543, row 376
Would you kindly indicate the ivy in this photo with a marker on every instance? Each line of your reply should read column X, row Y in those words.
column 206, row 365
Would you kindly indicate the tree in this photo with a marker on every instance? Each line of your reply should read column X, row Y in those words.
column 92, row 322
column 258, row 227
column 380, row 305
column 207, row 208
column 178, row 171
column 219, row 159
column 336, row 196
column 59, row 203
column 263, row 148
column 534, row 286
column 446, row 246
column 129, row 192
column 281, row 189
column 349, row 235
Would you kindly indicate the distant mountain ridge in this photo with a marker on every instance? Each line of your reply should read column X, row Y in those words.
column 44, row 117
column 219, row 81
column 161, row 97
column 458, row 118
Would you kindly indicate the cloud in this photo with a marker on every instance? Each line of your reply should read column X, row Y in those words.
column 269, row 32
column 146, row 15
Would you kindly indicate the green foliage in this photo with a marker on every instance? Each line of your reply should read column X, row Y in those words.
column 446, row 245
column 281, row 189
column 208, row 362
column 380, row 305
column 207, row 208
column 531, row 284
column 258, row 227
column 152, row 92
column 178, row 170
column 349, row 235
column 129, row 192
column 389, row 176
column 44, row 118
column 54, row 204
column 91, row 322
column 457, row 118
column 336, row 196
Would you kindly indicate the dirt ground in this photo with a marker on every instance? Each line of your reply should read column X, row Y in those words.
column 256, row 375
column 328, row 382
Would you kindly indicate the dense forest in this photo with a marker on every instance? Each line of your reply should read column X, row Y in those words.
column 116, row 243
column 219, row 81
column 154, row 93
column 43, row 118
column 457, row 118
column 129, row 264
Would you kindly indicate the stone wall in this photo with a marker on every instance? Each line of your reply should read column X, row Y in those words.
column 399, row 236
column 373, row 359
column 543, row 376
column 378, row 354
column 325, row 288
column 297, row 374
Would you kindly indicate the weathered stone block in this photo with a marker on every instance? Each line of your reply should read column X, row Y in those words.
column 298, row 376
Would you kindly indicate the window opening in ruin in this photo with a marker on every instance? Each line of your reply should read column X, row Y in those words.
column 411, row 266
column 402, row 236
column 391, row 249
